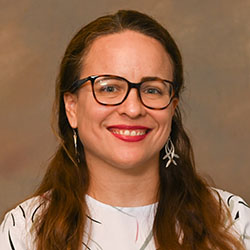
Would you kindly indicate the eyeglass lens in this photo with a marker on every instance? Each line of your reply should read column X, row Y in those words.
column 111, row 91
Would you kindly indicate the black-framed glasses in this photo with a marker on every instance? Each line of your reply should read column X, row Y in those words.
column 111, row 90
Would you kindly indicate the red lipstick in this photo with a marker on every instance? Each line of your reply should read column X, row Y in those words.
column 129, row 133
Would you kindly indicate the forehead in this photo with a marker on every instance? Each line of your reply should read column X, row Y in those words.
column 127, row 53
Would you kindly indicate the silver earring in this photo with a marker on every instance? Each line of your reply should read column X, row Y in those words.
column 75, row 145
column 169, row 149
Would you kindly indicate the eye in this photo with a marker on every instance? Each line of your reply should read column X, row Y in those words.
column 153, row 91
column 109, row 85
column 109, row 89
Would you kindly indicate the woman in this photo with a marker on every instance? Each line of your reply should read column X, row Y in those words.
column 123, row 176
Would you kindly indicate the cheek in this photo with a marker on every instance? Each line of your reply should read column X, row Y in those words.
column 164, row 119
column 91, row 118
column 168, row 117
column 88, row 124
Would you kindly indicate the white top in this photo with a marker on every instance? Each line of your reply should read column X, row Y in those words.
column 112, row 228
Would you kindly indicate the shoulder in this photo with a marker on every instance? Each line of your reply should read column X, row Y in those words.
column 16, row 226
column 240, row 214
column 238, row 208
column 25, row 212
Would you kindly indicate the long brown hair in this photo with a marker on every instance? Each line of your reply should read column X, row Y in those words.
column 188, row 214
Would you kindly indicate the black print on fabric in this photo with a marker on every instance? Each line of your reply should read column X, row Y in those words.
column 10, row 240
column 237, row 216
column 243, row 203
column 96, row 221
column 22, row 211
column 13, row 219
column 228, row 200
column 86, row 246
column 33, row 215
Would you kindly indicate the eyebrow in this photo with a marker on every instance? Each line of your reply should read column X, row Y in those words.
column 151, row 78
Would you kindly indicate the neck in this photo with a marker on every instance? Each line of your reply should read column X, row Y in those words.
column 124, row 187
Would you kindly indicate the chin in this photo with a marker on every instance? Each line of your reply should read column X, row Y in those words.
column 130, row 164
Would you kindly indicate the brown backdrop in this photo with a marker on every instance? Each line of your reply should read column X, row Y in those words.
column 214, row 37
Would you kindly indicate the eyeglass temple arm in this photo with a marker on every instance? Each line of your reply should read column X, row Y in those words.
column 77, row 84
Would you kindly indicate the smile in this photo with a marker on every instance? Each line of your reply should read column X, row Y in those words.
column 129, row 133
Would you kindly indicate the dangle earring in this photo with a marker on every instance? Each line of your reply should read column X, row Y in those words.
column 169, row 149
column 75, row 145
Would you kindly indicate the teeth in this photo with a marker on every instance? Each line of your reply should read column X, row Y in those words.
column 133, row 133
column 129, row 132
column 126, row 132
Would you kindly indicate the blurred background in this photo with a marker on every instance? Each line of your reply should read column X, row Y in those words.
column 214, row 38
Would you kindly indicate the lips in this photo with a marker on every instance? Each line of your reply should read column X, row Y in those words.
column 129, row 133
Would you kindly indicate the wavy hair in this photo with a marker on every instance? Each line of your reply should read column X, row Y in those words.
column 183, row 218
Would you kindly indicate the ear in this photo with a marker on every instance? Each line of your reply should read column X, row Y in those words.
column 70, row 102
column 175, row 102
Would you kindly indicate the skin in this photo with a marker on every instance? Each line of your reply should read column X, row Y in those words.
column 122, row 173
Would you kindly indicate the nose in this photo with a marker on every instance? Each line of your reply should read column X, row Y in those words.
column 132, row 106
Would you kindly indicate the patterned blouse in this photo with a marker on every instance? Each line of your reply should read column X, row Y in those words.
column 112, row 228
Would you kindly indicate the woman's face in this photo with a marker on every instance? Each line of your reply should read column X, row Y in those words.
column 128, row 135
